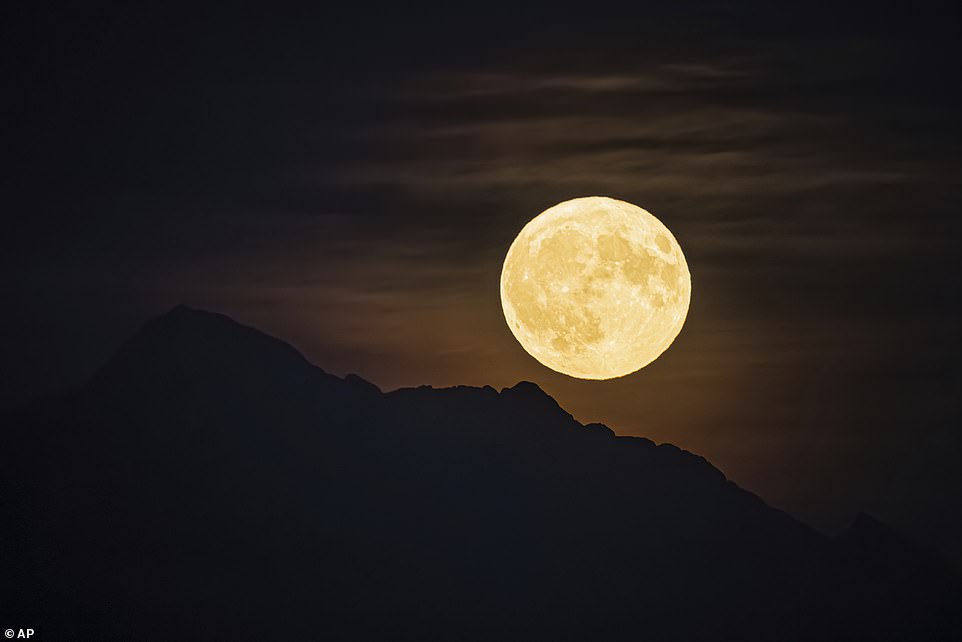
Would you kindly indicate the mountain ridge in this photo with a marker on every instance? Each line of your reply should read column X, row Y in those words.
column 212, row 462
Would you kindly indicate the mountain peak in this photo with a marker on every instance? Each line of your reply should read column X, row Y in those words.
column 526, row 386
column 193, row 347
column 184, row 309
column 528, row 390
column 197, row 328
column 358, row 382
column 186, row 318
column 526, row 394
column 867, row 532
column 864, row 521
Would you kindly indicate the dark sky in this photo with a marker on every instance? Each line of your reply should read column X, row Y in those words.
column 350, row 179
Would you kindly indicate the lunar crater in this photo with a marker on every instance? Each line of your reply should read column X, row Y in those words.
column 595, row 288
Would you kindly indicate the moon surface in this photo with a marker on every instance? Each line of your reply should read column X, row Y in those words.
column 595, row 288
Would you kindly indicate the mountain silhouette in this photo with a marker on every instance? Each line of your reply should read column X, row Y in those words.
column 210, row 483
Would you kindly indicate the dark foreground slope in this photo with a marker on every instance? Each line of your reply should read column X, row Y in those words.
column 210, row 483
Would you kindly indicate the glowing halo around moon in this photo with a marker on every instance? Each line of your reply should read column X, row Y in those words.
column 595, row 288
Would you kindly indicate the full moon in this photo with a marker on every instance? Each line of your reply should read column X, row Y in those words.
column 595, row 288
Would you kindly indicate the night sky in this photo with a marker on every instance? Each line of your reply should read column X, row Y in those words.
column 350, row 180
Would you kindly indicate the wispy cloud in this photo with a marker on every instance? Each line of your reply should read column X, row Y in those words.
column 561, row 75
